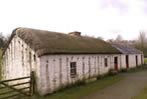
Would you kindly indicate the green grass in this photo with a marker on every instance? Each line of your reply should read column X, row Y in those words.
column 138, row 69
column 135, row 69
column 145, row 60
column 142, row 94
column 7, row 90
column 80, row 91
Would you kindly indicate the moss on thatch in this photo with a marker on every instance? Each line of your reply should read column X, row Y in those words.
column 46, row 42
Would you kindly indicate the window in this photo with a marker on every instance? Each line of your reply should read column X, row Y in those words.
column 22, row 57
column 73, row 71
column 34, row 57
column 106, row 62
column 30, row 58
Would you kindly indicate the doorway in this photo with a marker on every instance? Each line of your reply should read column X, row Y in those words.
column 116, row 63
column 136, row 61
column 127, row 61
column 141, row 59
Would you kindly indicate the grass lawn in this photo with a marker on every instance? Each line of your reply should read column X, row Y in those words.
column 142, row 94
column 145, row 60
column 79, row 91
column 138, row 69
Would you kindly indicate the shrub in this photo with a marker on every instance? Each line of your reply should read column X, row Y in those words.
column 124, row 70
column 112, row 72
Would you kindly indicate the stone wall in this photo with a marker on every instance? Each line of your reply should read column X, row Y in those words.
column 55, row 69
column 19, row 60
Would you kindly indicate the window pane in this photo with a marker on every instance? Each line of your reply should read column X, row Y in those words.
column 73, row 69
column 106, row 62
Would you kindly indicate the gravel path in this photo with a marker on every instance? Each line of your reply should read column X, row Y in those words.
column 125, row 89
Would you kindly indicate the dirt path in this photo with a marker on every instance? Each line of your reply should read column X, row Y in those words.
column 125, row 89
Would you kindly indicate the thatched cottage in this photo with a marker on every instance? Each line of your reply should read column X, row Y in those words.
column 57, row 59
column 130, row 57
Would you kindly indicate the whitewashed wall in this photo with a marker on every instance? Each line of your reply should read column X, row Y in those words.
column 132, row 60
column 123, row 61
column 17, row 62
column 140, row 60
column 55, row 69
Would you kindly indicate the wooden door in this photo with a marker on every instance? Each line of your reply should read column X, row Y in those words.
column 127, row 61
column 116, row 63
column 142, row 59
column 136, row 61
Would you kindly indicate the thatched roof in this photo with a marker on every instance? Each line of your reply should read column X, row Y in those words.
column 46, row 42
column 126, row 49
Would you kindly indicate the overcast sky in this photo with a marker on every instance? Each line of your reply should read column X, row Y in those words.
column 105, row 18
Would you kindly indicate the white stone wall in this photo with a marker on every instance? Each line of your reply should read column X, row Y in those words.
column 55, row 69
column 140, row 59
column 17, row 60
column 123, row 61
column 132, row 60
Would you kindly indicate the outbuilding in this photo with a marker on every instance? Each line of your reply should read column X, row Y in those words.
column 57, row 59
column 130, row 57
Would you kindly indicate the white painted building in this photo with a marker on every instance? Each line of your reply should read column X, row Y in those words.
column 130, row 57
column 57, row 59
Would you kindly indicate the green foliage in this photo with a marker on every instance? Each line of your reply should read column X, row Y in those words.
column 144, row 50
column 138, row 69
column 145, row 60
column 112, row 72
column 2, row 40
column 124, row 70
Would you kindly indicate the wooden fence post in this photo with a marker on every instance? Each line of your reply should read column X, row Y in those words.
column 32, row 84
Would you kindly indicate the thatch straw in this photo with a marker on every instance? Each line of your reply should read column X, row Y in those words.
column 46, row 42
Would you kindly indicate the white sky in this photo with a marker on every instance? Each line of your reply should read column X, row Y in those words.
column 105, row 18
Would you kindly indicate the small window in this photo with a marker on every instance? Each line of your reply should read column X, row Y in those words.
column 34, row 57
column 30, row 58
column 106, row 62
column 73, row 71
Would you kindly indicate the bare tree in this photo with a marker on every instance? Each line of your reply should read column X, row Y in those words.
column 110, row 40
column 100, row 38
column 119, row 38
column 142, row 39
column 2, row 40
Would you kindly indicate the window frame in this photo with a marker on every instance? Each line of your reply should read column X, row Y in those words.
column 106, row 62
column 73, row 69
